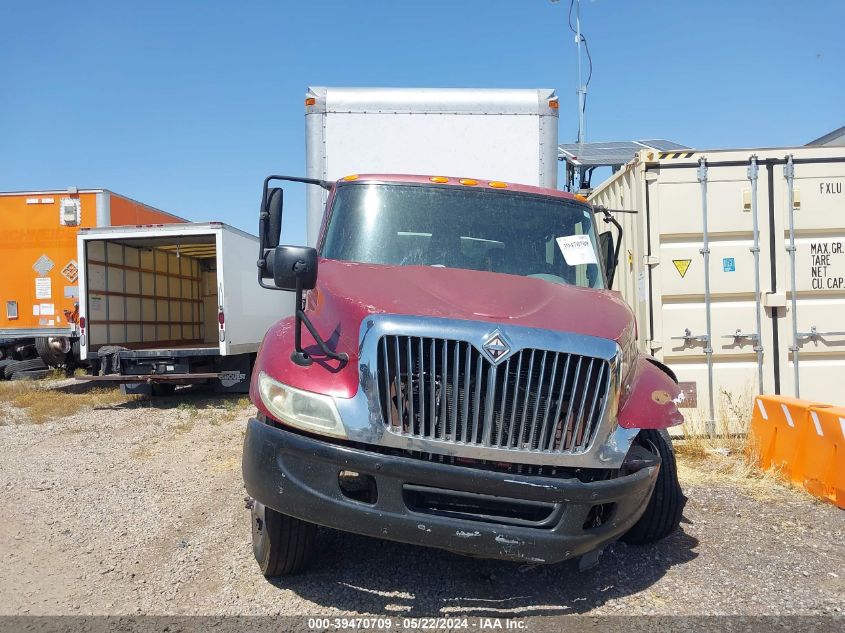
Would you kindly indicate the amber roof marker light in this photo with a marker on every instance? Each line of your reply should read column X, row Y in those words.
column 469, row 182
column 498, row 184
column 439, row 179
column 350, row 177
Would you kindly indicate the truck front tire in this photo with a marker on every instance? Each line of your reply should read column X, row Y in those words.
column 665, row 508
column 282, row 545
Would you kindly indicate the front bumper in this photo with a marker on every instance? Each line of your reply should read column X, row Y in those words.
column 298, row 476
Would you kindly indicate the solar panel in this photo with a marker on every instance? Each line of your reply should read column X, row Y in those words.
column 610, row 153
column 664, row 145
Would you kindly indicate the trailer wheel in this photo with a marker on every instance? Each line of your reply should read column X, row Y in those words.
column 75, row 355
column 51, row 356
column 23, row 365
column 663, row 513
column 282, row 545
column 3, row 364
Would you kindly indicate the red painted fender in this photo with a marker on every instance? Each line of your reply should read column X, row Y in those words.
column 650, row 399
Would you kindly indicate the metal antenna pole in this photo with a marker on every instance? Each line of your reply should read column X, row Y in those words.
column 582, row 89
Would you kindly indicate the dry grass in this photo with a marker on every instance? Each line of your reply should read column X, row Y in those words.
column 736, row 472
column 723, row 453
column 141, row 453
column 41, row 405
column 225, row 465
column 727, row 434
column 10, row 390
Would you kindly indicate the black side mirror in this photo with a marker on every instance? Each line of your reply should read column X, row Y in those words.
column 270, row 222
column 292, row 266
column 607, row 251
column 275, row 202
column 270, row 228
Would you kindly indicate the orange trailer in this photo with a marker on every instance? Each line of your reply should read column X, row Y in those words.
column 39, row 271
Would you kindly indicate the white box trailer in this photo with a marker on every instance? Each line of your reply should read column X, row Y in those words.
column 173, row 304
column 508, row 135
column 697, row 289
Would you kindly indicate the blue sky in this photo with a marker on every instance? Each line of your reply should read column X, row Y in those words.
column 188, row 105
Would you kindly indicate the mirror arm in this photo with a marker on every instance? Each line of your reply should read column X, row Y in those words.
column 261, row 262
column 325, row 184
column 611, row 220
column 299, row 355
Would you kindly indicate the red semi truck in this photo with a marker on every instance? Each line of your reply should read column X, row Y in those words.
column 456, row 375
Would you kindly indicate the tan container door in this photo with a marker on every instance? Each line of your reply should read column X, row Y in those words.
column 819, row 222
column 679, row 308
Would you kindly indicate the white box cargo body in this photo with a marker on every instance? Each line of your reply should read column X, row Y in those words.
column 662, row 264
column 508, row 135
column 179, row 300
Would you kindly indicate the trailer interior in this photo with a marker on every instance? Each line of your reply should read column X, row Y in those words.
column 156, row 293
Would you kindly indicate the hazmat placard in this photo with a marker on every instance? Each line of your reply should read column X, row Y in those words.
column 43, row 288
column 71, row 271
column 577, row 249
column 682, row 265
column 43, row 265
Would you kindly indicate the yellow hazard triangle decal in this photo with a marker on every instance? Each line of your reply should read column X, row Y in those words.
column 682, row 265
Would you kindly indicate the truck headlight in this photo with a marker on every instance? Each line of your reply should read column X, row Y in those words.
column 304, row 410
column 628, row 357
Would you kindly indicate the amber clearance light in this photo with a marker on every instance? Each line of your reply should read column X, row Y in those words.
column 498, row 184
column 469, row 182
column 440, row 179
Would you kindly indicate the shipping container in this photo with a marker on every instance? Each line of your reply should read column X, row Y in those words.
column 38, row 279
column 508, row 135
column 173, row 304
column 734, row 262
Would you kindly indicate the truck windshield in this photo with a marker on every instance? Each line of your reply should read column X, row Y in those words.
column 475, row 229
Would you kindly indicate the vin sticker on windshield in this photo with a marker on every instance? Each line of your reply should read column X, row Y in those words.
column 576, row 249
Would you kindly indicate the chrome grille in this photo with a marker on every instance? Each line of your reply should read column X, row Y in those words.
column 447, row 390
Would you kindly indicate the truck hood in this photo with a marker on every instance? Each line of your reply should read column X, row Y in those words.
column 346, row 292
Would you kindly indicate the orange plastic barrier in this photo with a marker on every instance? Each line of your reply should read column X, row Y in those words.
column 804, row 440
column 763, row 431
column 823, row 454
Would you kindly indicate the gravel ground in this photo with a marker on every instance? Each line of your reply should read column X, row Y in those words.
column 138, row 508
